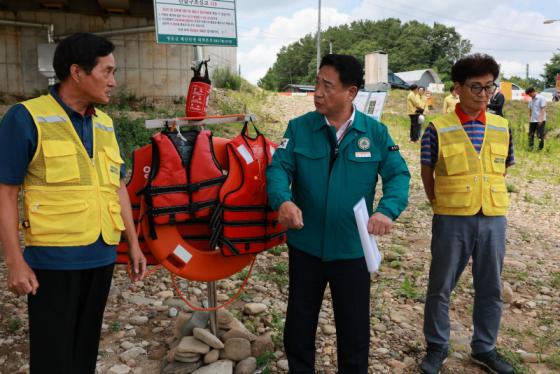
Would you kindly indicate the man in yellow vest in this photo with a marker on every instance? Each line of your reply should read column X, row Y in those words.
column 465, row 154
column 414, row 108
column 64, row 154
column 450, row 101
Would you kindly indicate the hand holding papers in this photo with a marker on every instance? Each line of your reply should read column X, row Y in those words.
column 369, row 245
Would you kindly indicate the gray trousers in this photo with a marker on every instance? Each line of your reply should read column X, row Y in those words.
column 454, row 240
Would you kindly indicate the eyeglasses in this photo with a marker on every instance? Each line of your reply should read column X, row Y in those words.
column 477, row 88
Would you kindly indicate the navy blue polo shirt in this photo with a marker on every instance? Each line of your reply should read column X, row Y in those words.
column 18, row 142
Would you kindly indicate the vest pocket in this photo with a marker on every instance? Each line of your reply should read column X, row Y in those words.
column 499, row 195
column 67, row 217
column 498, row 158
column 455, row 158
column 454, row 196
column 115, row 212
column 112, row 166
column 61, row 161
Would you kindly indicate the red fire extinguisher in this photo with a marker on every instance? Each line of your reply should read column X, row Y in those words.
column 198, row 92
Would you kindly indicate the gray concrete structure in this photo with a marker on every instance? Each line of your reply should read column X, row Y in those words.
column 146, row 69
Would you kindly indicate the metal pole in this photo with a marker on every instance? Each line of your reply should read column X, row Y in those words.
column 212, row 304
column 197, row 58
column 319, row 37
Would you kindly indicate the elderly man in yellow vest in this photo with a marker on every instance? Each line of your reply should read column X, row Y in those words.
column 64, row 154
column 465, row 154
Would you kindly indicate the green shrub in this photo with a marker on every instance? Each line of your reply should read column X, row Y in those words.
column 225, row 78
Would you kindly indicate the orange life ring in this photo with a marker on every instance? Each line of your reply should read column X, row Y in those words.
column 187, row 259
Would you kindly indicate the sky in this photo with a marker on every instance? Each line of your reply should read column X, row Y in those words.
column 510, row 30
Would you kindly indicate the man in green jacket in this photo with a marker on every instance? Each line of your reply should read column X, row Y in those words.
column 327, row 161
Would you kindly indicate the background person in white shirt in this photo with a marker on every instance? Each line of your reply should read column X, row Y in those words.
column 537, row 117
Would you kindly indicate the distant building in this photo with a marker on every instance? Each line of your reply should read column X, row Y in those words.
column 145, row 69
column 420, row 77
column 301, row 88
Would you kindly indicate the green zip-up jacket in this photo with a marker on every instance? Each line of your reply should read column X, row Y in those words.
column 300, row 171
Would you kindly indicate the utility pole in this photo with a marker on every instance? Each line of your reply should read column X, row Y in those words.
column 330, row 47
column 527, row 72
column 319, row 37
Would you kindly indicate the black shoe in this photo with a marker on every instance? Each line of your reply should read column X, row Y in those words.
column 433, row 361
column 493, row 361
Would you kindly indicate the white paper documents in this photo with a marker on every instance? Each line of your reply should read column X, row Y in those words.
column 369, row 245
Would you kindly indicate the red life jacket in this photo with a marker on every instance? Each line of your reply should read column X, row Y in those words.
column 141, row 163
column 185, row 178
column 244, row 222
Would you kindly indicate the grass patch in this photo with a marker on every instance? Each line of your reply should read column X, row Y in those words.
column 278, row 274
column 277, row 324
column 277, row 251
column 14, row 324
column 409, row 290
column 264, row 360
column 512, row 188
column 554, row 360
column 555, row 282
column 515, row 360
column 115, row 326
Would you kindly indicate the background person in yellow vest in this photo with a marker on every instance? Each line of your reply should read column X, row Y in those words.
column 64, row 154
column 423, row 97
column 414, row 108
column 450, row 101
column 465, row 154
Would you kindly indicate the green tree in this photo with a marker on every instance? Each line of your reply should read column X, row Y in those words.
column 411, row 46
column 551, row 69
column 526, row 82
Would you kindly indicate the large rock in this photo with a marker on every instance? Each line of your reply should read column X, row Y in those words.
column 513, row 264
column 328, row 329
column 224, row 318
column 247, row 366
column 208, row 338
column 119, row 369
column 140, row 300
column 190, row 344
column 238, row 333
column 218, row 367
column 254, row 308
column 139, row 320
column 282, row 365
column 198, row 319
column 262, row 344
column 181, row 368
column 211, row 356
column 507, row 293
column 237, row 349
column 132, row 353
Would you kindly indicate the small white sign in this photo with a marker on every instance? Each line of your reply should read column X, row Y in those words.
column 370, row 103
column 182, row 253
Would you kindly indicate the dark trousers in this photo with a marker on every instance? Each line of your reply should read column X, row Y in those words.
column 349, row 282
column 455, row 239
column 65, row 319
column 415, row 127
column 535, row 128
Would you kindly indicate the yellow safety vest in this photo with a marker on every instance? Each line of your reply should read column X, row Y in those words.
column 69, row 198
column 467, row 181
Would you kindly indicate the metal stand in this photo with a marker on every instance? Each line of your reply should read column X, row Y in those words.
column 202, row 121
column 212, row 304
